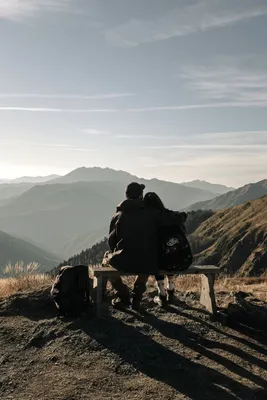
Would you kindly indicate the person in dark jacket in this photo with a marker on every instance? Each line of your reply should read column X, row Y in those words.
column 174, row 250
column 133, row 240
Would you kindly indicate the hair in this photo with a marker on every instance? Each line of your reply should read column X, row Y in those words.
column 152, row 200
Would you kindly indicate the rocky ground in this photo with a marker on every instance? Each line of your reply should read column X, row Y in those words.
column 178, row 353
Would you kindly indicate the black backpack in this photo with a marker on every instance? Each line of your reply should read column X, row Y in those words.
column 176, row 254
column 71, row 290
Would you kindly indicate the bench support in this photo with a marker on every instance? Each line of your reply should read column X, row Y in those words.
column 207, row 296
column 98, row 294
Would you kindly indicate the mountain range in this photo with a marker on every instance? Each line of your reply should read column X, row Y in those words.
column 188, row 195
column 212, row 187
column 13, row 250
column 238, row 196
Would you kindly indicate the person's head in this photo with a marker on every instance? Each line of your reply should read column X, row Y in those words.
column 134, row 191
column 152, row 200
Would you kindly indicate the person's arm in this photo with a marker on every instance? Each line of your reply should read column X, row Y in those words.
column 172, row 218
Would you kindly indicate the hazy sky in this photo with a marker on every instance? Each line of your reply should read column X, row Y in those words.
column 173, row 89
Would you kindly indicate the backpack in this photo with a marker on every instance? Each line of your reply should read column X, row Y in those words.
column 71, row 290
column 176, row 254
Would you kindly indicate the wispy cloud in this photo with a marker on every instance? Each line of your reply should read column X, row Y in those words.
column 19, row 9
column 55, row 110
column 82, row 149
column 96, row 132
column 229, row 104
column 181, row 21
column 210, row 146
column 137, row 136
column 225, row 141
column 103, row 96
column 238, row 83
column 255, row 104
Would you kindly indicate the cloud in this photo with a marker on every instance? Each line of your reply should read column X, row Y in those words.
column 238, row 83
column 95, row 132
column 19, row 9
column 229, row 104
column 66, row 96
column 181, row 21
column 55, row 110
column 210, row 146
column 219, row 141
column 255, row 104
column 82, row 149
column 160, row 137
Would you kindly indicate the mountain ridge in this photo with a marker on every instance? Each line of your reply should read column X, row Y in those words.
column 238, row 196
column 213, row 187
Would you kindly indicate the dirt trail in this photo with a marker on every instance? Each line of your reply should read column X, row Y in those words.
column 157, row 354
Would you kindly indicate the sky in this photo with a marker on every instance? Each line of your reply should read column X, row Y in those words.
column 172, row 89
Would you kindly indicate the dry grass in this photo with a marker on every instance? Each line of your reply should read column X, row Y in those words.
column 22, row 278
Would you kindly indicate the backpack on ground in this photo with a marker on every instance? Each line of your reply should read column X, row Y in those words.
column 71, row 290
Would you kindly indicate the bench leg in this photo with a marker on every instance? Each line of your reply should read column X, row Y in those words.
column 98, row 295
column 207, row 297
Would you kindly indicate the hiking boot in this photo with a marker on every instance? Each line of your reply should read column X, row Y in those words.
column 171, row 296
column 160, row 300
column 120, row 304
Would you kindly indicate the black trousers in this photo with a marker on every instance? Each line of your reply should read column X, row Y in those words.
column 123, row 290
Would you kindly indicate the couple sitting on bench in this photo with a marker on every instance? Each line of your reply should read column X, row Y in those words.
column 144, row 238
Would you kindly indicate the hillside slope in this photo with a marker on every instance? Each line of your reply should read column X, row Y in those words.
column 212, row 187
column 235, row 239
column 13, row 250
column 245, row 193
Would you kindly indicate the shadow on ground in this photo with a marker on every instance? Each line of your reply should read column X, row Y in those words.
column 155, row 348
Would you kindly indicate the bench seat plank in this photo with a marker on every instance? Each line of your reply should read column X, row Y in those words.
column 196, row 269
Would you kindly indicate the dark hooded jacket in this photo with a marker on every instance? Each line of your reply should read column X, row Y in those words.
column 134, row 236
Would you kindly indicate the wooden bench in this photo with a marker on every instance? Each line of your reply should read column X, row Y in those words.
column 207, row 297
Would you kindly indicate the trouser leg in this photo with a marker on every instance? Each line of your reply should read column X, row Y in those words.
column 160, row 285
column 140, row 286
column 120, row 287
column 170, row 284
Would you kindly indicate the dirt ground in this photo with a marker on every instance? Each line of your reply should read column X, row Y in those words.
column 178, row 353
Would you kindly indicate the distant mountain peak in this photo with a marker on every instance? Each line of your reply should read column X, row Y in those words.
column 204, row 185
